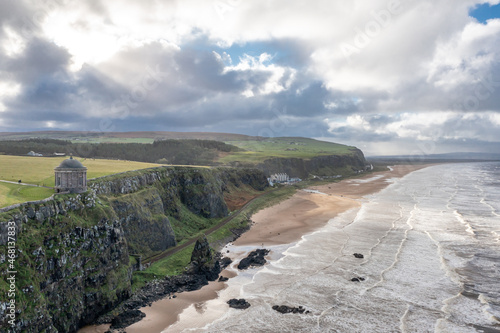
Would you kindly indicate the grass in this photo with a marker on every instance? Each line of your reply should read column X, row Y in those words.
column 40, row 170
column 169, row 266
column 241, row 221
column 12, row 193
column 176, row 263
column 258, row 151
column 112, row 140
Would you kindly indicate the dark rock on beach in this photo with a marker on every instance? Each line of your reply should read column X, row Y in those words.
column 224, row 262
column 255, row 258
column 359, row 255
column 357, row 279
column 223, row 279
column 288, row 309
column 238, row 303
column 127, row 318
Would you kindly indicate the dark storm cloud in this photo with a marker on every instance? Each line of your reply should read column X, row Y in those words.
column 193, row 91
column 39, row 60
column 203, row 70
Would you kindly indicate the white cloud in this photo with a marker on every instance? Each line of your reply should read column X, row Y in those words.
column 421, row 64
column 279, row 78
column 423, row 126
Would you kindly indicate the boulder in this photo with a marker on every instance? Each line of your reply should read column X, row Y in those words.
column 238, row 303
column 127, row 318
column 289, row 309
column 357, row 279
column 255, row 258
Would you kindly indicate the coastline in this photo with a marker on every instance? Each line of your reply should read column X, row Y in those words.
column 305, row 212
column 284, row 223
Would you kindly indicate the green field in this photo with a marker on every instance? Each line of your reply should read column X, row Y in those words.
column 112, row 140
column 12, row 193
column 258, row 151
column 40, row 171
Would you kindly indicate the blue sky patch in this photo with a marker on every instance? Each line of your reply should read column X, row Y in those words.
column 284, row 52
column 485, row 12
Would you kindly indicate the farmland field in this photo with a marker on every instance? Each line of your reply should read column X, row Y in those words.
column 40, row 171
column 12, row 193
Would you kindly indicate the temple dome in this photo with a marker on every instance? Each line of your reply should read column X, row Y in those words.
column 70, row 163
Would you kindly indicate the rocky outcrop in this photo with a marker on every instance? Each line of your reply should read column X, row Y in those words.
column 329, row 165
column 289, row 309
column 127, row 318
column 204, row 261
column 238, row 303
column 254, row 258
column 205, row 266
column 70, row 269
column 147, row 228
column 357, row 279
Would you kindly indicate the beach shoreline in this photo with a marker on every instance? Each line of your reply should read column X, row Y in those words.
column 307, row 211
column 284, row 223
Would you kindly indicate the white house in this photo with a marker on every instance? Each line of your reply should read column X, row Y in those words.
column 279, row 178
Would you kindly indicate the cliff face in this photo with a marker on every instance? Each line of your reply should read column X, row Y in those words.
column 71, row 261
column 142, row 216
column 72, row 251
column 318, row 166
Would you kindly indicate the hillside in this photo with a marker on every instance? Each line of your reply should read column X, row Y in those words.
column 124, row 137
column 299, row 157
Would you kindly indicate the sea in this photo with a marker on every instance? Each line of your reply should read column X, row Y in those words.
column 431, row 263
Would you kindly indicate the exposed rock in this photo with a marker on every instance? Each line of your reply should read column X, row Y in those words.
column 238, row 303
column 255, row 258
column 143, row 217
column 200, row 272
column 224, row 262
column 357, row 279
column 223, row 279
column 127, row 318
column 203, row 260
column 289, row 309
column 358, row 255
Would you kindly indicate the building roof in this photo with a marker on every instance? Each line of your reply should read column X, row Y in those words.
column 70, row 163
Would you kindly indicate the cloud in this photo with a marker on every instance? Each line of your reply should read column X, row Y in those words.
column 441, row 129
column 383, row 71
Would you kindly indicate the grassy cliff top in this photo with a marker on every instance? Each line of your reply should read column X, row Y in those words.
column 40, row 171
column 255, row 151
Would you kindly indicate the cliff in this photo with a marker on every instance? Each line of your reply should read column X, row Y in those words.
column 71, row 261
column 327, row 165
column 72, row 252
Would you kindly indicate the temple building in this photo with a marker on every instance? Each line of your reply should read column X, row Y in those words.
column 71, row 176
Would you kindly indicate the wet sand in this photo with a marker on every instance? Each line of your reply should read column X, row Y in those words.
column 165, row 312
column 284, row 223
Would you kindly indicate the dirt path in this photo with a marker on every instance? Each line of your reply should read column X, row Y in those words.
column 24, row 184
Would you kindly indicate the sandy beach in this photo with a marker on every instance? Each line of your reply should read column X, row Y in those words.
column 306, row 211
column 166, row 311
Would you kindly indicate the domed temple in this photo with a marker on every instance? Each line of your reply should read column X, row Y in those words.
column 71, row 176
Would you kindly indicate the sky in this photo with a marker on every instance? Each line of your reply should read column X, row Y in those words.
column 388, row 76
